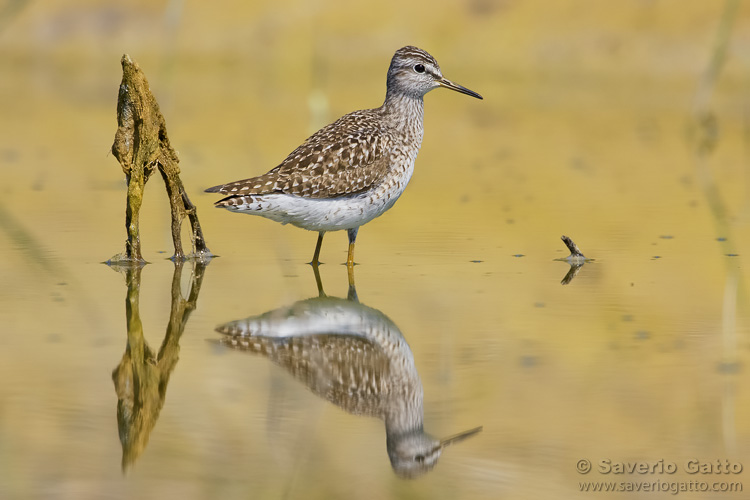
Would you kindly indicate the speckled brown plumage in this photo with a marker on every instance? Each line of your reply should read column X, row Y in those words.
column 350, row 372
column 346, row 157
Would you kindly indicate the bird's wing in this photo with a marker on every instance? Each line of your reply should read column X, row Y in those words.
column 344, row 158
column 351, row 372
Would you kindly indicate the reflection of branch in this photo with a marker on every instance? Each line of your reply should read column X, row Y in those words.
column 141, row 378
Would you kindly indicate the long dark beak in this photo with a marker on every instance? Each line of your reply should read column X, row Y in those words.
column 444, row 82
column 457, row 438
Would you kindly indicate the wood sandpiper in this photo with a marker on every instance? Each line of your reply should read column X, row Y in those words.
column 353, row 170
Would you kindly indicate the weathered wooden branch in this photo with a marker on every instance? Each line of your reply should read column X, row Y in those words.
column 141, row 146
column 574, row 252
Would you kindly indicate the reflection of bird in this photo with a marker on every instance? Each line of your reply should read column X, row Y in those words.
column 353, row 170
column 354, row 357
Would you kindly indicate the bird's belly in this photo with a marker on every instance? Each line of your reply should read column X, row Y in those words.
column 327, row 214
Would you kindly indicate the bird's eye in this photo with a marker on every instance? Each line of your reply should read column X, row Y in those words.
column 419, row 68
column 419, row 458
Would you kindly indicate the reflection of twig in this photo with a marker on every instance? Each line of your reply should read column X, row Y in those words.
column 141, row 378
column 572, row 273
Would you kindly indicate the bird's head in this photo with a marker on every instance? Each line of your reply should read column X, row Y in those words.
column 414, row 72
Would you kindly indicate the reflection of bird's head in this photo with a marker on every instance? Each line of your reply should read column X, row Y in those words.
column 414, row 454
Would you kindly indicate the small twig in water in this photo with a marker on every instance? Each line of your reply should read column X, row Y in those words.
column 574, row 251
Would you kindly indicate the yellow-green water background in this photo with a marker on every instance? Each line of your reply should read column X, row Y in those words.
column 585, row 130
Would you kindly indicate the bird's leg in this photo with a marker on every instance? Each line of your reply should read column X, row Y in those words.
column 352, row 292
column 318, row 281
column 316, row 256
column 352, row 238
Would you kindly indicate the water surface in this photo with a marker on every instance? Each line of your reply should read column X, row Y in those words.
column 585, row 130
